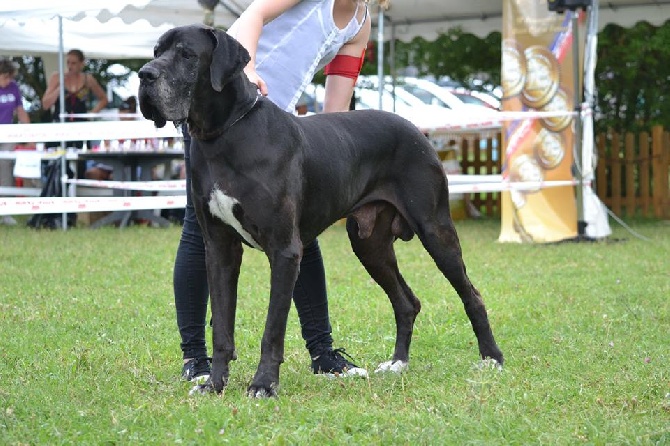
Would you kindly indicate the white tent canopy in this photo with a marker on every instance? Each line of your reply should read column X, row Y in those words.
column 48, row 9
column 130, row 28
column 95, row 39
column 32, row 28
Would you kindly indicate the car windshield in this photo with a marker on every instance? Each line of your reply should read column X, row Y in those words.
column 370, row 99
column 425, row 96
column 469, row 99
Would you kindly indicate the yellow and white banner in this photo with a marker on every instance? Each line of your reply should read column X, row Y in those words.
column 538, row 76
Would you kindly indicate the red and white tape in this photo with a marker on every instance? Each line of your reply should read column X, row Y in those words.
column 77, row 131
column 57, row 205
column 494, row 120
column 508, row 186
column 171, row 185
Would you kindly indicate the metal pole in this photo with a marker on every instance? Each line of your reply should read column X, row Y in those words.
column 392, row 62
column 579, row 173
column 61, row 76
column 380, row 54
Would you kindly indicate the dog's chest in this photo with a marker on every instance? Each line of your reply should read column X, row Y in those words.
column 222, row 207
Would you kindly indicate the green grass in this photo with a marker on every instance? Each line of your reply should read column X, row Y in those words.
column 90, row 350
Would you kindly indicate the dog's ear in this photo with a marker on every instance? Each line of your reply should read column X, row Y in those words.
column 229, row 58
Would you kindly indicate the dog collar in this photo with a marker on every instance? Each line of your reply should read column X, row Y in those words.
column 206, row 136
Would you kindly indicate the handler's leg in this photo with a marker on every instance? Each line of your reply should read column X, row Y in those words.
column 191, row 291
column 311, row 301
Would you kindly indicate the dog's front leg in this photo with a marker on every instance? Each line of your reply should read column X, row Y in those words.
column 284, row 266
column 224, row 257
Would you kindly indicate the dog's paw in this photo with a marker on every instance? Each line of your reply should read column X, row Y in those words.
column 392, row 366
column 219, row 377
column 262, row 392
column 488, row 364
column 202, row 389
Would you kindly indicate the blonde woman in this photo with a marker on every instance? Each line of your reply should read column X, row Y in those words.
column 288, row 41
column 78, row 87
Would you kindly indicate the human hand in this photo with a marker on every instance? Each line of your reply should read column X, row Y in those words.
column 254, row 78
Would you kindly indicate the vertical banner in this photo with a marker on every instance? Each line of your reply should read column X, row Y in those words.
column 538, row 76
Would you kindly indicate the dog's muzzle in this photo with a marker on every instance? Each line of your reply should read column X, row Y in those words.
column 148, row 77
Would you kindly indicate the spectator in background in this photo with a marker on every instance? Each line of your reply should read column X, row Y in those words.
column 11, row 105
column 79, row 87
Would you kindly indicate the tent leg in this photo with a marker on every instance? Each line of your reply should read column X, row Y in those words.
column 579, row 189
column 380, row 55
column 578, row 135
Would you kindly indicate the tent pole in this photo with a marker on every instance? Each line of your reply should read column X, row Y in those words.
column 380, row 54
column 579, row 172
column 61, row 76
column 392, row 62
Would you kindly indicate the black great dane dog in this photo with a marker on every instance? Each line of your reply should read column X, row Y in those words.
column 274, row 181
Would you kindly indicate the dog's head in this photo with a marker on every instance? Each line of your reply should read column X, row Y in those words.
column 189, row 62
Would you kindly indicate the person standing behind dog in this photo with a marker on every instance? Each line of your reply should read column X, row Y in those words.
column 288, row 41
column 10, row 105
column 78, row 89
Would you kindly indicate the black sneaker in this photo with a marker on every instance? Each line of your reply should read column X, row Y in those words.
column 197, row 370
column 333, row 364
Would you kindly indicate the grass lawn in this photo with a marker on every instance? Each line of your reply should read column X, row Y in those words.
column 90, row 349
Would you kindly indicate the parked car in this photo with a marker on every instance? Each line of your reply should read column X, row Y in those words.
column 491, row 97
column 475, row 97
column 421, row 114
column 425, row 112
column 430, row 92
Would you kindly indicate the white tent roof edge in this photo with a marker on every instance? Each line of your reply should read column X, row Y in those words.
column 118, row 34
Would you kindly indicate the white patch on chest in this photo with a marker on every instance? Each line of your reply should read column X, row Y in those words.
column 221, row 206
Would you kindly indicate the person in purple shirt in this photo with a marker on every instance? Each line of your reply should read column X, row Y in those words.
column 10, row 105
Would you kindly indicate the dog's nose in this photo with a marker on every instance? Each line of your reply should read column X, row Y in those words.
column 148, row 74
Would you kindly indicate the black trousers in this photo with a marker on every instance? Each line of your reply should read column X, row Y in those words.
column 191, row 292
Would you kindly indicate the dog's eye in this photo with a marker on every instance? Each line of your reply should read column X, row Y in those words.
column 184, row 51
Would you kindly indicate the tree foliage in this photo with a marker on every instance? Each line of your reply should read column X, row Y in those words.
column 463, row 57
column 632, row 77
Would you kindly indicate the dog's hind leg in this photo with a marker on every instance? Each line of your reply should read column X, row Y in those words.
column 371, row 232
column 438, row 235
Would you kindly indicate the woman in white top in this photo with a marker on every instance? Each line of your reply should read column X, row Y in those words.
column 288, row 41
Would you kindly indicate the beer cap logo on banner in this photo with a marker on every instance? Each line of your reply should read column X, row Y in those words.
column 513, row 69
column 559, row 103
column 542, row 77
column 525, row 168
column 548, row 149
